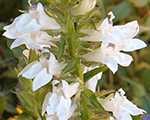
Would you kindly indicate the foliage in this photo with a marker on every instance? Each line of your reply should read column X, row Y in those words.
column 134, row 79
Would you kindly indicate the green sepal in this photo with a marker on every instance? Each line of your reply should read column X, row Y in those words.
column 33, row 56
column 88, row 94
column 92, row 73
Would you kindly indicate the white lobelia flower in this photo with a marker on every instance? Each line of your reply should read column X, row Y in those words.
column 42, row 71
column 120, row 106
column 91, row 84
column 115, row 39
column 57, row 104
column 27, row 29
column 83, row 7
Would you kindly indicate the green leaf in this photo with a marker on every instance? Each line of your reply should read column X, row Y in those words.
column 91, row 23
column 28, row 101
column 70, row 66
column 104, row 92
column 25, row 116
column 139, row 3
column 92, row 73
column 3, row 101
column 88, row 94
column 10, row 108
column 85, row 113
column 122, row 10
column 25, row 83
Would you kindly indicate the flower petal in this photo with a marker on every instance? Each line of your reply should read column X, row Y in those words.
column 46, row 21
column 41, row 79
column 46, row 102
column 133, row 44
column 95, row 55
column 63, row 107
column 121, row 114
column 69, row 113
column 107, row 103
column 111, row 63
column 31, row 70
column 123, row 59
column 69, row 90
column 91, row 84
column 131, row 108
column 27, row 24
column 130, row 29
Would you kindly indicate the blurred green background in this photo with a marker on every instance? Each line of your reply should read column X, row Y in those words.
column 135, row 79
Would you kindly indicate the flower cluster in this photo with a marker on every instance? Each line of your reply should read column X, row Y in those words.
column 30, row 29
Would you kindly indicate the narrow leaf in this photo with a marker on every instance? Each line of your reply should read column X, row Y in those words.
column 92, row 73
column 88, row 94
column 85, row 113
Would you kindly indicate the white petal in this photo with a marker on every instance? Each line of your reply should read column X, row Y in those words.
column 130, row 29
column 105, row 27
column 83, row 7
column 31, row 70
column 133, row 44
column 27, row 24
column 63, row 107
column 69, row 90
column 69, row 113
column 111, row 15
column 45, row 20
column 11, row 30
column 56, row 70
column 46, row 102
column 41, row 79
column 121, row 114
column 91, row 84
column 107, row 103
column 95, row 55
column 23, row 39
column 111, row 63
column 131, row 108
column 93, row 35
column 53, row 104
column 123, row 59
column 43, row 38
column 26, row 53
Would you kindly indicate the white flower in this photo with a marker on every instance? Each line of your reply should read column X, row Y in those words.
column 91, row 84
column 42, row 71
column 27, row 29
column 57, row 104
column 115, row 39
column 83, row 7
column 120, row 106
